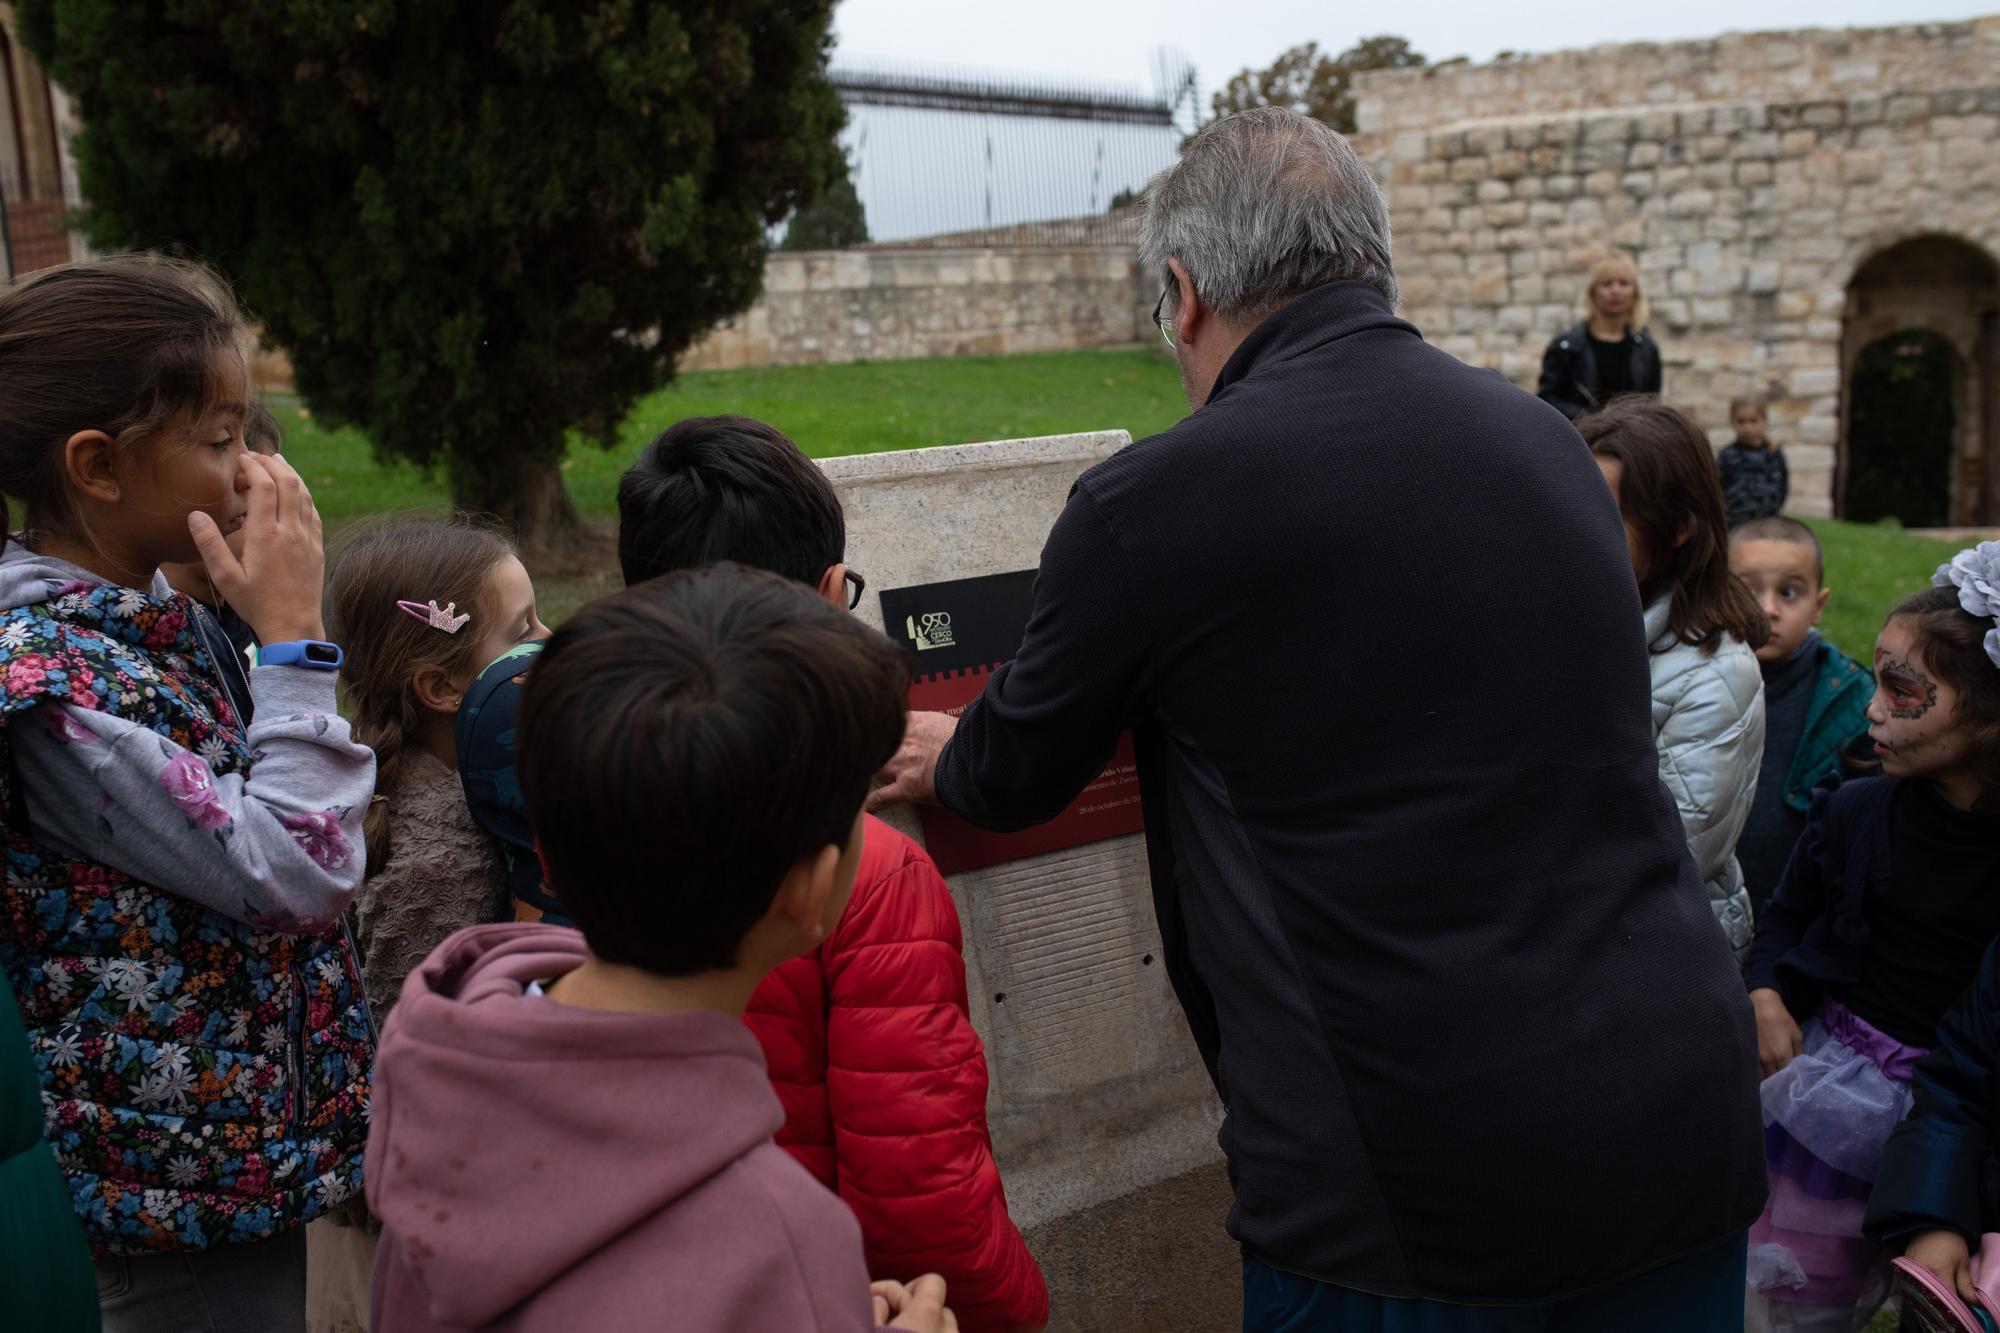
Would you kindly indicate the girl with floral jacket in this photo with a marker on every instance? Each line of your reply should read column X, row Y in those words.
column 174, row 881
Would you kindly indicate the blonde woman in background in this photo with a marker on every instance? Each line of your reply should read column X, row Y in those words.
column 1608, row 351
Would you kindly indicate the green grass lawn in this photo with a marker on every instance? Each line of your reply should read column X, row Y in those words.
column 829, row 410
column 884, row 405
column 1870, row 568
column 867, row 407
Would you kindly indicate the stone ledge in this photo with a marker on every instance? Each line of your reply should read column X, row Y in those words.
column 894, row 467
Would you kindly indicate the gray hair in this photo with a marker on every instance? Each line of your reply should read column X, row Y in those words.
column 1263, row 205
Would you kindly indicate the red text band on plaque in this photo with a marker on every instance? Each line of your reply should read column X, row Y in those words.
column 960, row 632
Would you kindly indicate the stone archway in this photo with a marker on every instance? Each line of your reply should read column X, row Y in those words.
column 1940, row 286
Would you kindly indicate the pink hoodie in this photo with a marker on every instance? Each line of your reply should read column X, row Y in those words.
column 537, row 1166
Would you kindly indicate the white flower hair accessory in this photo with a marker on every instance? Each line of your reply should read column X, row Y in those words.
column 1976, row 575
column 451, row 624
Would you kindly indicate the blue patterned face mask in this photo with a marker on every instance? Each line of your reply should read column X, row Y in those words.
column 486, row 750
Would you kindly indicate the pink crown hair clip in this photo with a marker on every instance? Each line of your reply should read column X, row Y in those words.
column 428, row 613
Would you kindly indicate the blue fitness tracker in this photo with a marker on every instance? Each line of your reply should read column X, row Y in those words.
column 314, row 653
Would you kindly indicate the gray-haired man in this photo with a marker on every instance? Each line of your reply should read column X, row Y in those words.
column 1425, row 903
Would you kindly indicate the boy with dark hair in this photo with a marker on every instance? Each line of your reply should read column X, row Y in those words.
column 868, row 1037
column 729, row 488
column 574, row 1131
column 1815, row 695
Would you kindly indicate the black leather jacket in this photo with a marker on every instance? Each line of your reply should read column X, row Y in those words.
column 1569, row 370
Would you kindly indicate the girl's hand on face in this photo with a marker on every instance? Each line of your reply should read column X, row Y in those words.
column 1779, row 1040
column 275, row 584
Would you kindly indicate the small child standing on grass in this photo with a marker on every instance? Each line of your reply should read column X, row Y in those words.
column 1756, row 481
column 1876, row 928
column 1815, row 696
column 573, row 1130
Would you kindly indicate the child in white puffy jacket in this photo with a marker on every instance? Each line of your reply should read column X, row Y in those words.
column 1703, row 627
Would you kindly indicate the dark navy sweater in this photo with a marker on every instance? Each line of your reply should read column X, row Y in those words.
column 1422, row 895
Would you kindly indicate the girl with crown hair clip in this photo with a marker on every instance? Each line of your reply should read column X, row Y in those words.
column 427, row 603
column 1877, row 927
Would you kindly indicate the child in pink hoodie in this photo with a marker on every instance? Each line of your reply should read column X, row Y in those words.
column 573, row 1131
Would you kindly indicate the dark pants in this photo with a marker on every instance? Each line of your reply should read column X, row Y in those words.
column 1700, row 1294
column 256, row 1287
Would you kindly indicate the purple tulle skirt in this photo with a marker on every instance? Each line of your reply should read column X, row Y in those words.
column 1827, row 1115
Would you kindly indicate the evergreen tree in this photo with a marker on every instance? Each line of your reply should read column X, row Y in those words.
column 834, row 220
column 475, row 226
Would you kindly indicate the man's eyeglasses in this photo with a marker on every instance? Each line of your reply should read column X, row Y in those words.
column 856, row 584
column 1165, row 327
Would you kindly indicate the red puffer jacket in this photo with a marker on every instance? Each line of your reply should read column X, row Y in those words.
column 872, row 1051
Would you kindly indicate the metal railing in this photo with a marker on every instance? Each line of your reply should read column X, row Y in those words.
column 957, row 157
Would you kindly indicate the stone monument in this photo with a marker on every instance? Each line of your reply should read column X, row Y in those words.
column 1102, row 1114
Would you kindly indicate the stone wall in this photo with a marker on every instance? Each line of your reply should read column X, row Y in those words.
column 1807, row 65
column 881, row 304
column 1751, row 177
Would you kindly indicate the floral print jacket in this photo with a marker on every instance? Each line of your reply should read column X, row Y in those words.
column 170, row 916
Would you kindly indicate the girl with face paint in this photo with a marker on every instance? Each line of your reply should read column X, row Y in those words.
column 1891, row 898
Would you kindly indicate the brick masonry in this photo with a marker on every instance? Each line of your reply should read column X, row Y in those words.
column 1751, row 177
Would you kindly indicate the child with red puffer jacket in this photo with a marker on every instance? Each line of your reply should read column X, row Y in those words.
column 883, row 1081
column 868, row 1038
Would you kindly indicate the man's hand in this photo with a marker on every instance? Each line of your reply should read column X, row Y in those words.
column 911, row 776
column 1949, row 1260
column 918, row 1306
column 1778, row 1037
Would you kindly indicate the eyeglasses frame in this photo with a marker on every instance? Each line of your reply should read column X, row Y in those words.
column 1166, row 329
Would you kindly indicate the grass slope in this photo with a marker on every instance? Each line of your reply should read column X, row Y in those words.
column 885, row 405
column 1870, row 568
column 866, row 407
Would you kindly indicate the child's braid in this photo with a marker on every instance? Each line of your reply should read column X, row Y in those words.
column 386, row 737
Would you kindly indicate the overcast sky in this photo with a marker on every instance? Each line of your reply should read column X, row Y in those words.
column 1114, row 40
